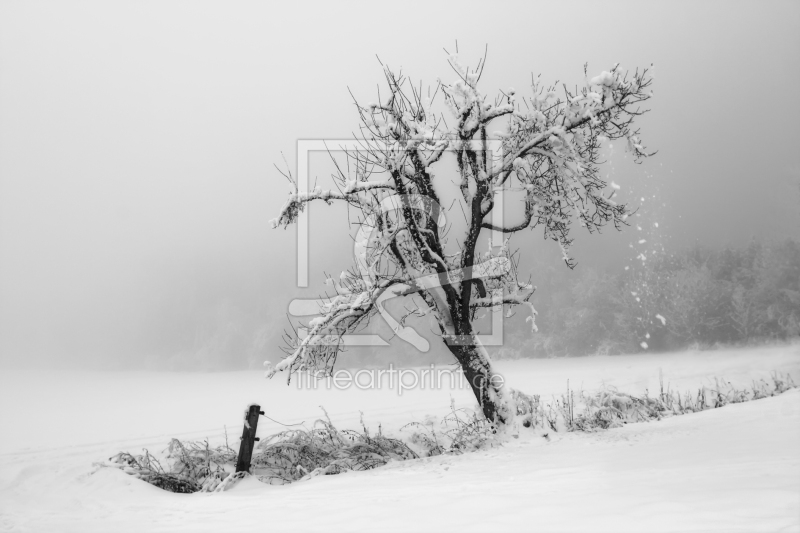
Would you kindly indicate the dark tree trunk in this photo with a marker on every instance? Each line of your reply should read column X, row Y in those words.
column 478, row 372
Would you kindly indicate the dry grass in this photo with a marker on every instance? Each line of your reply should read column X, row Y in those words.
column 301, row 454
column 610, row 408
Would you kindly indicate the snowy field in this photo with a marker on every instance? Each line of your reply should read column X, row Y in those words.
column 731, row 469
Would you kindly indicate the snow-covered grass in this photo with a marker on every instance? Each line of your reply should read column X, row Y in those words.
column 729, row 469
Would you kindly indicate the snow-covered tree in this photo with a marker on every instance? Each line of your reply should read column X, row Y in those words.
column 549, row 154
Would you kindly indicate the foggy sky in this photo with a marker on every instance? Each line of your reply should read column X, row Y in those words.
column 137, row 142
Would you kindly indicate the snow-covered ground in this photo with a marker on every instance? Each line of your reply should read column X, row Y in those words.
column 731, row 469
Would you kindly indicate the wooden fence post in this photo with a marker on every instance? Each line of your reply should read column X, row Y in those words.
column 248, row 438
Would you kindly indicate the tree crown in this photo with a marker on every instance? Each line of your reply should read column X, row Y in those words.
column 550, row 153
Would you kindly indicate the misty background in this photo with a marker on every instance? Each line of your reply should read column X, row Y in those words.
column 138, row 142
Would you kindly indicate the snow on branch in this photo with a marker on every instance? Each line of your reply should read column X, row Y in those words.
column 604, row 108
column 296, row 202
column 553, row 152
column 341, row 315
column 501, row 285
column 468, row 104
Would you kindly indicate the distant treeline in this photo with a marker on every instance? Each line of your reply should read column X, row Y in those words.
column 701, row 297
column 704, row 296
